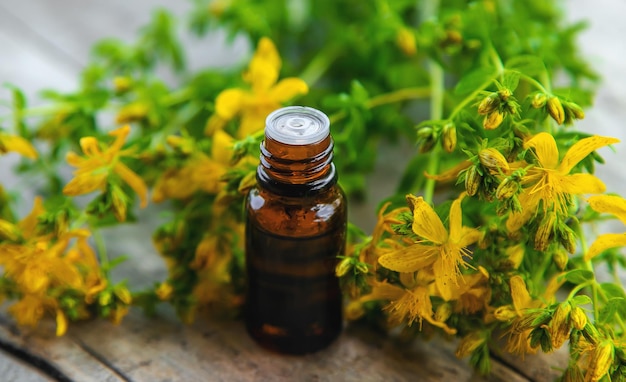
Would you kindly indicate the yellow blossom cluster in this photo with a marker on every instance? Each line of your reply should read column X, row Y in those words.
column 52, row 274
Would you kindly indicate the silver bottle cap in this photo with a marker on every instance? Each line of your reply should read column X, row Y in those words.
column 297, row 125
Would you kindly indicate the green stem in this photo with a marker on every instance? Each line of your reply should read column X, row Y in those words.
column 436, row 113
column 388, row 98
column 589, row 266
column 430, row 9
column 100, row 249
column 470, row 98
column 178, row 96
column 577, row 289
column 619, row 319
column 319, row 64
column 398, row 96
column 497, row 61
column 534, row 82
column 42, row 111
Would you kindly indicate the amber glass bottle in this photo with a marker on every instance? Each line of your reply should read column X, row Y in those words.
column 295, row 229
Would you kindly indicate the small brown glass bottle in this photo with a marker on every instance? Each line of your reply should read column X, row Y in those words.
column 295, row 229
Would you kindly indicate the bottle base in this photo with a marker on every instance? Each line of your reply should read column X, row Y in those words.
column 278, row 340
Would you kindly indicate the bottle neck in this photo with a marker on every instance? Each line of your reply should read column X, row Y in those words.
column 296, row 170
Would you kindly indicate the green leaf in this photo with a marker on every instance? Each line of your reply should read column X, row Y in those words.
column 578, row 276
column 478, row 79
column 613, row 290
column 511, row 79
column 528, row 65
column 614, row 305
column 581, row 299
column 19, row 103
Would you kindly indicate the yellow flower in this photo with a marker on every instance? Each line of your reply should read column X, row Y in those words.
column 600, row 360
column 39, row 260
column 265, row 95
column 406, row 304
column 16, row 144
column 97, row 166
column 549, row 181
column 615, row 205
column 472, row 293
column 201, row 172
column 29, row 309
column 445, row 251
column 164, row 291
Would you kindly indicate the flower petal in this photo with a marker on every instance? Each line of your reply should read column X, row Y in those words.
column 409, row 259
column 134, row 181
column 85, row 183
column 426, row 222
column 222, row 148
column 229, row 103
column 615, row 205
column 456, row 220
column 469, row 236
column 604, row 242
column 581, row 184
column 268, row 52
column 261, row 76
column 90, row 146
column 17, row 144
column 383, row 291
column 254, row 120
column 120, row 138
column 581, row 149
column 28, row 225
column 74, row 159
column 546, row 149
column 519, row 294
column 288, row 88
column 61, row 323
column 451, row 173
column 529, row 202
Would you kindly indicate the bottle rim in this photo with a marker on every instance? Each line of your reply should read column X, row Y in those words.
column 297, row 125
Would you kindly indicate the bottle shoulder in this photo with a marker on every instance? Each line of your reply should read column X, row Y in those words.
column 297, row 216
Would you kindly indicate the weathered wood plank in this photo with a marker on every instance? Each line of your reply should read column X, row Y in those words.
column 59, row 358
column 13, row 370
column 163, row 349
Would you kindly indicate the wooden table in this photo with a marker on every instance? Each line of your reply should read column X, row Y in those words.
column 44, row 43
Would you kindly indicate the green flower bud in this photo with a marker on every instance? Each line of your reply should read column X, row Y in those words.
column 601, row 361
column 579, row 318
column 504, row 94
column 544, row 232
column 489, row 104
column 472, row 181
column 507, row 188
column 576, row 110
column 449, row 137
column 539, row 100
column 493, row 120
column 559, row 327
column 343, row 267
column 493, row 160
column 425, row 133
column 122, row 84
column 560, row 259
column 555, row 109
